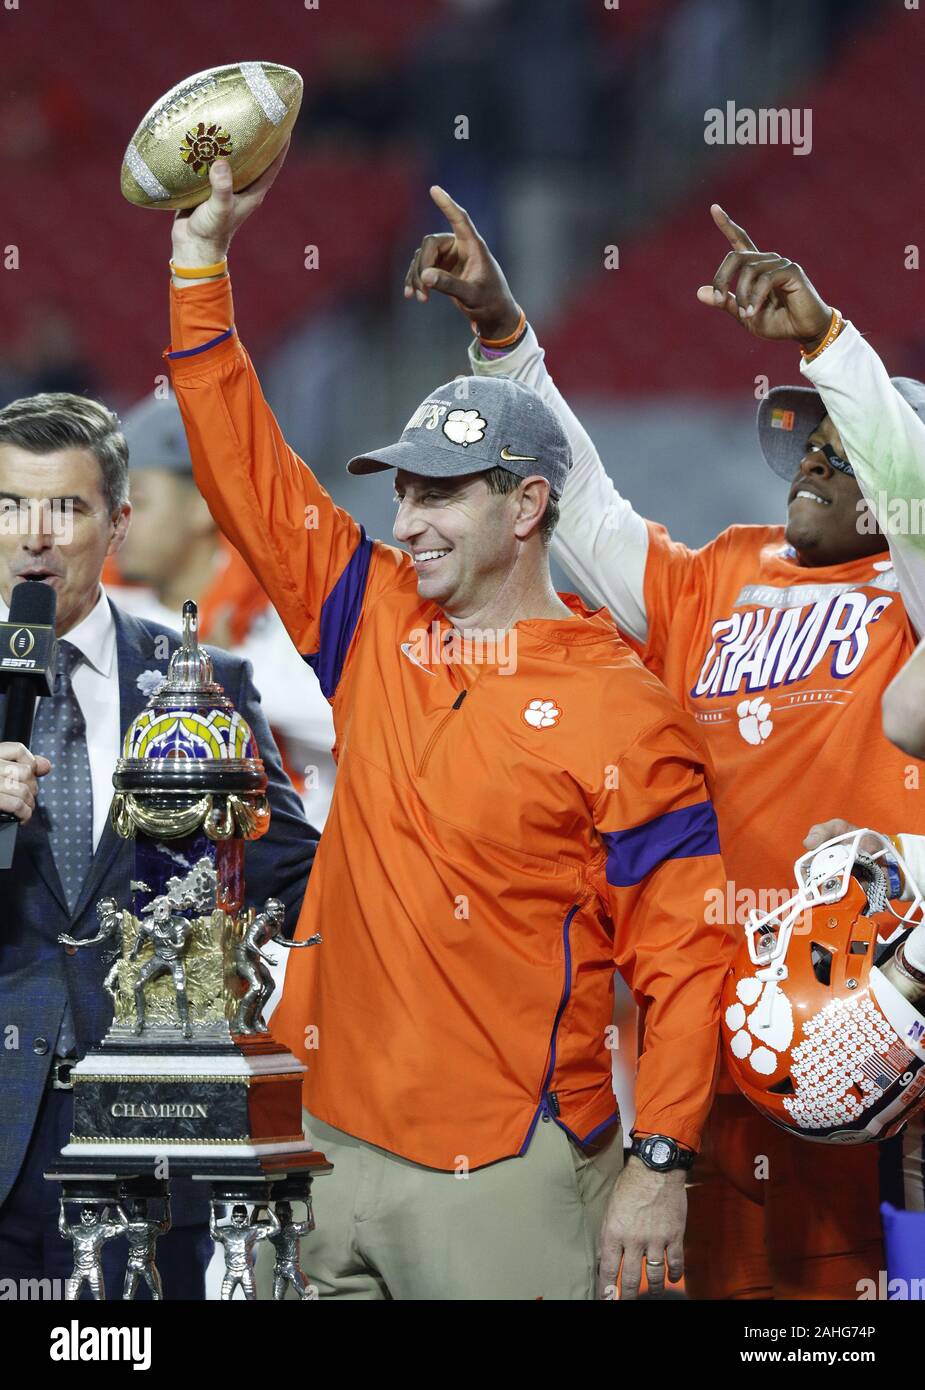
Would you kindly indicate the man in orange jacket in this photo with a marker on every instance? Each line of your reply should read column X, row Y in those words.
column 519, row 805
column 779, row 642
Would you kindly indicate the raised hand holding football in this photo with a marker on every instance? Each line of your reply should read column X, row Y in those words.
column 201, row 235
column 242, row 112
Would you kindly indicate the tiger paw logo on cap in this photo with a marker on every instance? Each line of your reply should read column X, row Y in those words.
column 464, row 427
column 541, row 714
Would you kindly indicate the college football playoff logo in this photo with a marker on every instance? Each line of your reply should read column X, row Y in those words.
column 22, row 641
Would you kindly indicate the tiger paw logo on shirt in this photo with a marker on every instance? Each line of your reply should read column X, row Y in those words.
column 754, row 724
column 541, row 714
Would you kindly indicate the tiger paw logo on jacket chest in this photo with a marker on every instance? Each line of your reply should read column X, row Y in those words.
column 541, row 714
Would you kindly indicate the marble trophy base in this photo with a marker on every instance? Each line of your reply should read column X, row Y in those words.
column 220, row 1109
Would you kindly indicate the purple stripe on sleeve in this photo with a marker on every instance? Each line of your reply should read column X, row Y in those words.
column 684, row 834
column 340, row 614
column 204, row 347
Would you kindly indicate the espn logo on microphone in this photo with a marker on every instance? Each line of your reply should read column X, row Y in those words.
column 26, row 647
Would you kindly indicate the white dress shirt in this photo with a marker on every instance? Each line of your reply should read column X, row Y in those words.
column 96, row 687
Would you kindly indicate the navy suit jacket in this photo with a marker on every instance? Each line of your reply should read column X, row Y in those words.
column 37, row 974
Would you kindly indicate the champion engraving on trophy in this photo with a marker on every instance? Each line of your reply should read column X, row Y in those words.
column 157, row 1112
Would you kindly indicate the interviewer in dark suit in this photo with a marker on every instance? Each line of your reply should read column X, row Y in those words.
column 63, row 509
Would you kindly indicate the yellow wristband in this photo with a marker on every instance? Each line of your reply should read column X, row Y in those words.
column 835, row 327
column 200, row 272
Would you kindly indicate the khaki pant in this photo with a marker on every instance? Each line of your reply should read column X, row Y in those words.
column 524, row 1228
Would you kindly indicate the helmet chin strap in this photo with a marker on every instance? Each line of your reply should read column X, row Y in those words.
column 874, row 882
column 764, row 1011
column 775, row 972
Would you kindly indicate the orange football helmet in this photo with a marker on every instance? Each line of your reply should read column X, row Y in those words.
column 815, row 1036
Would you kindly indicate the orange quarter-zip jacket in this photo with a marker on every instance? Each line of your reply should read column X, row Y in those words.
column 510, row 820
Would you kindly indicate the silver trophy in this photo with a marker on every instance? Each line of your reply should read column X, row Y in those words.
column 189, row 1074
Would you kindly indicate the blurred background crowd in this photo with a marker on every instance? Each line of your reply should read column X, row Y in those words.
column 583, row 130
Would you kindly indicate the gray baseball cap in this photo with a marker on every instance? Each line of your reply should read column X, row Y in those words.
column 156, row 436
column 476, row 423
column 788, row 415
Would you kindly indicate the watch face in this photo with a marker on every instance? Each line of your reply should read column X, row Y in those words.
column 661, row 1152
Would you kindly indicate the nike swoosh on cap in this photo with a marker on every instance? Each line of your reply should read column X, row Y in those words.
column 517, row 458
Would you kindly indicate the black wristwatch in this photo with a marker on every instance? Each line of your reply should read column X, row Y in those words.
column 661, row 1154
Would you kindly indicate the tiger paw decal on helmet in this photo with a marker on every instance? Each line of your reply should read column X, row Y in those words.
column 760, row 1035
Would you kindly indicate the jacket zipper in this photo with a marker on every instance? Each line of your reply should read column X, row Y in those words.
column 457, row 703
column 549, row 1102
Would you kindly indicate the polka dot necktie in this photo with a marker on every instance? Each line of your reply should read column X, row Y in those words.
column 66, row 795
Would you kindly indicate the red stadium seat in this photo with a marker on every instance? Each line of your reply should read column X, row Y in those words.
column 847, row 210
column 102, row 261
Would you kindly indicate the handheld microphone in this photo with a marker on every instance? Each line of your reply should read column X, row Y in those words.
column 27, row 670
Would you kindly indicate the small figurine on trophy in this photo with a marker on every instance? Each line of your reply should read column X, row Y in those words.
column 88, row 1237
column 288, row 1268
column 110, row 915
column 168, row 933
column 252, row 965
column 142, row 1233
column 240, row 1244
